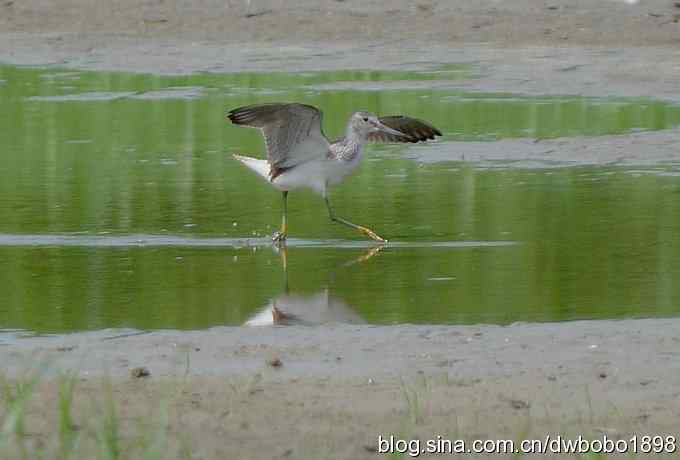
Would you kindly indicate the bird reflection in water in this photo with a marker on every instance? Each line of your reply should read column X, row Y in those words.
column 318, row 308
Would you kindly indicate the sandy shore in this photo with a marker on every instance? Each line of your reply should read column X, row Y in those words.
column 338, row 387
column 614, row 377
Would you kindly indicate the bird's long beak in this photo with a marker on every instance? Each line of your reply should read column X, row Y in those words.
column 386, row 129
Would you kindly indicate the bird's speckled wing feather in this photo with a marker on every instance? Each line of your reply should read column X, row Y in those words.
column 292, row 132
column 414, row 130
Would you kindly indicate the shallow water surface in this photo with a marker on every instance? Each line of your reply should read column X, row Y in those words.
column 121, row 207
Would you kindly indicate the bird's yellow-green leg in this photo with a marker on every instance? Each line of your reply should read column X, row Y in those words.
column 280, row 237
column 365, row 230
column 284, row 218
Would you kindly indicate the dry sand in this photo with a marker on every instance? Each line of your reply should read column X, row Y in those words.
column 340, row 386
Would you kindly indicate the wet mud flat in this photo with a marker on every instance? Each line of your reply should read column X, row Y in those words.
column 331, row 390
column 642, row 149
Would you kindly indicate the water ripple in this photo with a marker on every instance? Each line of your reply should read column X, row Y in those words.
column 110, row 241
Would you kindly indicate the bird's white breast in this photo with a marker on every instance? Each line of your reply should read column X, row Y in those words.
column 339, row 169
column 316, row 174
column 311, row 174
column 322, row 171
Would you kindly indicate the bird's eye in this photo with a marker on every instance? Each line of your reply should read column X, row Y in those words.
column 365, row 118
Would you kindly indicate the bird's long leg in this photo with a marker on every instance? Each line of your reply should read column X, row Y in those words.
column 280, row 237
column 365, row 230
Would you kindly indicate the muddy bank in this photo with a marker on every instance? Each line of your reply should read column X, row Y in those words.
column 377, row 352
column 288, row 388
column 657, row 149
column 537, row 69
column 521, row 22
column 590, row 47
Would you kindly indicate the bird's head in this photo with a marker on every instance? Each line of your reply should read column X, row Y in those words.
column 363, row 124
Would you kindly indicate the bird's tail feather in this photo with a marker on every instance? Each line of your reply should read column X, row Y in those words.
column 261, row 167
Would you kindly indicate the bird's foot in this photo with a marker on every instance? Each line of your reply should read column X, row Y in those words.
column 279, row 238
column 371, row 234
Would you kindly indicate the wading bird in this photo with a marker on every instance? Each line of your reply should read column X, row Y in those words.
column 299, row 154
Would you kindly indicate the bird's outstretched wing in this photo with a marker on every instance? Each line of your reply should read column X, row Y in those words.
column 413, row 129
column 292, row 132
